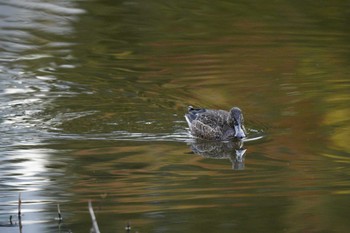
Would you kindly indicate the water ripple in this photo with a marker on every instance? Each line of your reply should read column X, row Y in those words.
column 178, row 136
column 46, row 7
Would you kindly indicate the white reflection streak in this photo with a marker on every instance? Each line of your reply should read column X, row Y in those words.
column 29, row 57
column 32, row 162
column 49, row 7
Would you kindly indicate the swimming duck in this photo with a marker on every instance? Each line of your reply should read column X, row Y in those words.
column 217, row 125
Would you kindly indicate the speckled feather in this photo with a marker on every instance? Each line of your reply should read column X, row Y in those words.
column 210, row 124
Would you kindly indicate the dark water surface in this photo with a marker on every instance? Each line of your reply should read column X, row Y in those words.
column 93, row 95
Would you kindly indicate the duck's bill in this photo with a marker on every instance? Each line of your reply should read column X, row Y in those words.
column 239, row 132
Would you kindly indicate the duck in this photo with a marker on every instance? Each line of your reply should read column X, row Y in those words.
column 218, row 125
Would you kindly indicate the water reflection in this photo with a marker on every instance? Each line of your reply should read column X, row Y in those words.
column 25, row 172
column 34, row 45
column 92, row 98
column 231, row 150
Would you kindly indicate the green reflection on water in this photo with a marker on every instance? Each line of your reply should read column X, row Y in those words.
column 110, row 89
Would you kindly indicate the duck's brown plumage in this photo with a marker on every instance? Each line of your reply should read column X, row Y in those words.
column 215, row 124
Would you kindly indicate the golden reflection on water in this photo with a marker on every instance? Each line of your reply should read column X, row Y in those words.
column 340, row 135
column 128, row 71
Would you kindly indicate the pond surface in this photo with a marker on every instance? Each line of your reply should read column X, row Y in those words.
column 93, row 96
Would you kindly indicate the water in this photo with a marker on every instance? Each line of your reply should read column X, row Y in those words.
column 93, row 95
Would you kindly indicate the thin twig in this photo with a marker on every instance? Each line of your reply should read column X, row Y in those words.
column 93, row 218
column 128, row 227
column 19, row 213
column 59, row 212
column 19, row 205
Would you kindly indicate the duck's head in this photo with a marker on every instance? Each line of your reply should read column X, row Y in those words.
column 237, row 122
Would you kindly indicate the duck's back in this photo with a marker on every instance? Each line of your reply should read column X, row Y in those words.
column 213, row 118
column 210, row 124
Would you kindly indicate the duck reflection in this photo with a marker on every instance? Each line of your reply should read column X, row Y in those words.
column 232, row 150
